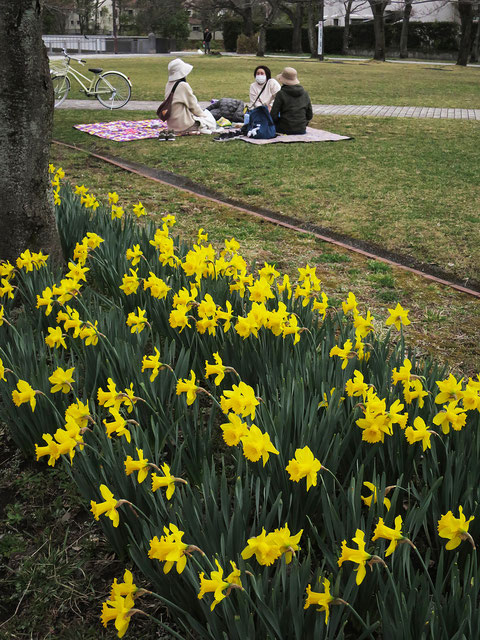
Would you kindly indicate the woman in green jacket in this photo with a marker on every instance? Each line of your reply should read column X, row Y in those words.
column 292, row 109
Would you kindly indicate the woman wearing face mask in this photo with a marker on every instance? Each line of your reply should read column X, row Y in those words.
column 264, row 89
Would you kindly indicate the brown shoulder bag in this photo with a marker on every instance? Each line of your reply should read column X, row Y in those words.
column 165, row 109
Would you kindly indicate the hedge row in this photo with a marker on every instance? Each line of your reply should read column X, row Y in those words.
column 426, row 37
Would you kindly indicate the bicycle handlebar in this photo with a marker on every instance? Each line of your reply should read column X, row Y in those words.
column 80, row 60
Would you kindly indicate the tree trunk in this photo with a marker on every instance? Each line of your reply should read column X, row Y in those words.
column 407, row 11
column 312, row 30
column 465, row 9
column 378, row 9
column 297, row 23
column 27, row 216
column 346, row 28
column 262, row 41
column 247, row 17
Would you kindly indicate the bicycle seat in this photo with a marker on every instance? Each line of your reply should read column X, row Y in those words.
column 96, row 70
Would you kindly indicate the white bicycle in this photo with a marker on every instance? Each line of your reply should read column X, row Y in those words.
column 113, row 89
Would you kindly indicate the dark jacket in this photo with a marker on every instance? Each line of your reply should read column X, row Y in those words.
column 292, row 109
column 207, row 36
column 228, row 108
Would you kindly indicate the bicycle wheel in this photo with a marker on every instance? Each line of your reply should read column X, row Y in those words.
column 112, row 90
column 61, row 87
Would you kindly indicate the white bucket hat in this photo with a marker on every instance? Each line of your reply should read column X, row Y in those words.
column 178, row 69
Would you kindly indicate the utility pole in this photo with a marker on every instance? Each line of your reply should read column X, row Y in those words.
column 321, row 8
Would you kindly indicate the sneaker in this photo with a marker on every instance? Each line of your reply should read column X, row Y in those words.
column 162, row 135
column 171, row 135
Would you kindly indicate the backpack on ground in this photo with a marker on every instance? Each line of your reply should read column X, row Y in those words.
column 260, row 125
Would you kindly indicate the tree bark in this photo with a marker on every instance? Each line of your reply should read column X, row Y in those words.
column 27, row 215
column 312, row 30
column 407, row 11
column 346, row 27
column 378, row 10
column 465, row 9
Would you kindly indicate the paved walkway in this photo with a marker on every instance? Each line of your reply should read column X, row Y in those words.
column 318, row 109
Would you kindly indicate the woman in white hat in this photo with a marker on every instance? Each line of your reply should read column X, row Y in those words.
column 186, row 114
column 292, row 108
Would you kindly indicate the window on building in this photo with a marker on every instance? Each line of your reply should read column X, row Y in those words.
column 336, row 22
column 196, row 28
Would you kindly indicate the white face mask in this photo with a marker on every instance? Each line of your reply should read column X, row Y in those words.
column 261, row 79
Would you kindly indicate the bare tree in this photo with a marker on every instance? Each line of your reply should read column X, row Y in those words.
column 26, row 112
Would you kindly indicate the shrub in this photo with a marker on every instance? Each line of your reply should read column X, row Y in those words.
column 247, row 44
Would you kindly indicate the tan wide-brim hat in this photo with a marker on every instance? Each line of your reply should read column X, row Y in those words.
column 288, row 76
column 178, row 69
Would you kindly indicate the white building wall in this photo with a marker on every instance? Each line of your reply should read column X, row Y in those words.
column 435, row 11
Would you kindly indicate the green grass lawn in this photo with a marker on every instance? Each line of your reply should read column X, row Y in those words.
column 328, row 83
column 412, row 186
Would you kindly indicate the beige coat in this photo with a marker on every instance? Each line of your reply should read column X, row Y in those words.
column 268, row 94
column 184, row 107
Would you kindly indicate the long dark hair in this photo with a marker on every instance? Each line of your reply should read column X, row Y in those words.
column 268, row 73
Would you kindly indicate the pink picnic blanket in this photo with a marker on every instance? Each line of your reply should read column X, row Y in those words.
column 124, row 130
column 311, row 135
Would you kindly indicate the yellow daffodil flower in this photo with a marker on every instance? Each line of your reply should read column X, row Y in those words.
column 304, row 465
column 257, row 445
column 169, row 549
column 153, row 363
column 368, row 499
column 108, row 507
column 140, row 465
column 62, row 380
column 455, row 529
column 394, row 535
column 217, row 584
column 398, row 317
column 139, row 210
column 234, row 430
column 124, row 588
column 134, row 254
column 137, row 322
column 24, row 393
column 240, row 399
column 319, row 599
column 450, row 390
column 359, row 556
column 158, row 287
column 420, row 433
column 451, row 415
column 118, row 608
column 188, row 386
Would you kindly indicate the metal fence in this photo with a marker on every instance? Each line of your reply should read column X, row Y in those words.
column 105, row 44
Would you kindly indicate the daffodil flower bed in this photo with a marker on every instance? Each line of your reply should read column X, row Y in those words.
column 236, row 437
